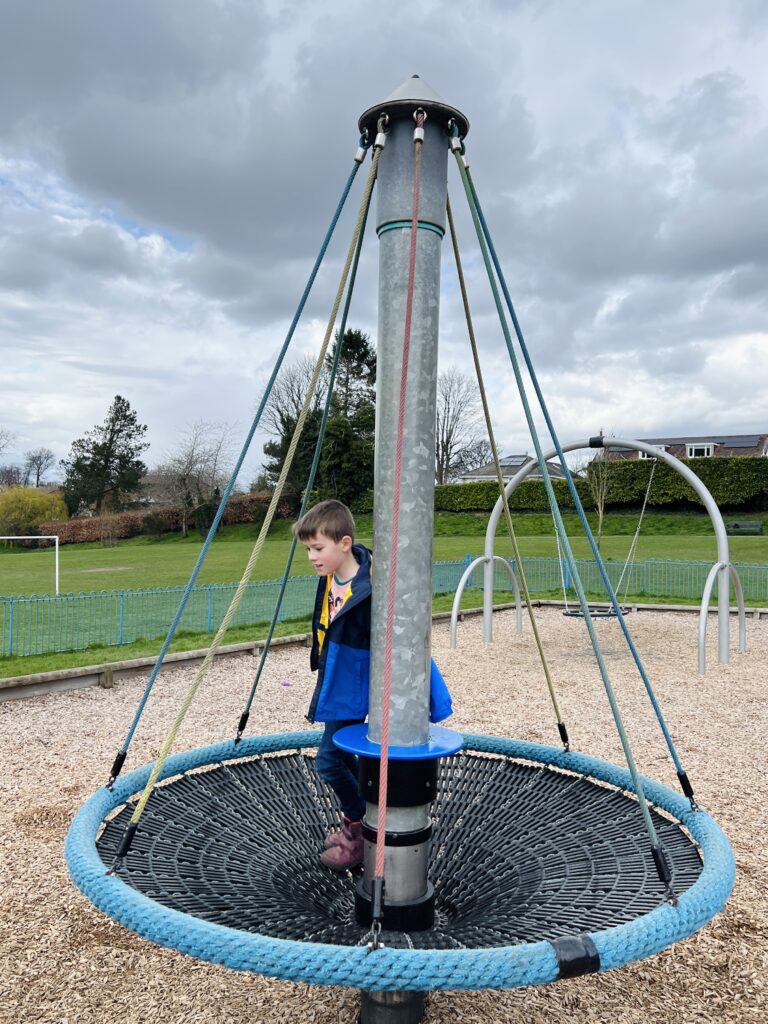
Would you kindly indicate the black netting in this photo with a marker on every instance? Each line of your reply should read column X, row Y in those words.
column 519, row 853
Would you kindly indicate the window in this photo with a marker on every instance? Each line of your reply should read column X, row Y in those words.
column 658, row 447
column 698, row 451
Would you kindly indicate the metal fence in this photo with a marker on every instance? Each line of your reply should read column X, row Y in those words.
column 72, row 622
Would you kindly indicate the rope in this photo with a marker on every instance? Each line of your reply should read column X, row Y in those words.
column 230, row 613
column 310, row 483
column 560, row 566
column 633, row 545
column 475, row 203
column 120, row 759
column 381, row 826
column 497, row 465
column 643, row 803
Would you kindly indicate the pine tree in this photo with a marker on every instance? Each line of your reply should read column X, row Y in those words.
column 104, row 467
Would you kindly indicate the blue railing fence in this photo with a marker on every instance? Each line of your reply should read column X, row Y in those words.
column 49, row 624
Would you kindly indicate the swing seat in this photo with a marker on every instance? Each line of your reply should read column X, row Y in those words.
column 596, row 611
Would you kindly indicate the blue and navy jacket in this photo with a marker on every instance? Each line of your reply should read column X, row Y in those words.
column 341, row 654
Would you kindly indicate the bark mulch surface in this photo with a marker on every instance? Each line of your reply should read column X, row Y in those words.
column 62, row 961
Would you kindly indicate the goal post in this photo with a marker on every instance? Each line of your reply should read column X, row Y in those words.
column 52, row 537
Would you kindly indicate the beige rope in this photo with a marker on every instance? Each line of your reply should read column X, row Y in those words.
column 234, row 604
column 497, row 464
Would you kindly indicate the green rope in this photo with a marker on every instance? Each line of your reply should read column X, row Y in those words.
column 500, row 475
column 643, row 803
column 230, row 613
column 310, row 484
column 122, row 753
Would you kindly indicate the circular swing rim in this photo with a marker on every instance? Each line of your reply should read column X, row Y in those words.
column 420, row 970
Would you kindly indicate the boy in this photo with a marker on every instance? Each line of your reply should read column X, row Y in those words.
column 341, row 641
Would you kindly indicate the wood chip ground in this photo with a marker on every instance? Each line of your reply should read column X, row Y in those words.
column 63, row 962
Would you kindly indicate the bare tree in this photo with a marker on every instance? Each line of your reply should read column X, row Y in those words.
column 37, row 462
column 200, row 464
column 460, row 443
column 288, row 394
column 7, row 437
column 10, row 476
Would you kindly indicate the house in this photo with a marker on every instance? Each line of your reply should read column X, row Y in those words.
column 693, row 446
column 510, row 465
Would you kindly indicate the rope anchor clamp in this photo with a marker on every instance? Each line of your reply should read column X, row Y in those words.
column 363, row 146
column 378, row 913
column 419, row 116
column 381, row 131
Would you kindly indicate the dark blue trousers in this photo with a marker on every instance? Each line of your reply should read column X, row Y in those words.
column 339, row 769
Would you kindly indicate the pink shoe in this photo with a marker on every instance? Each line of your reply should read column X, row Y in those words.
column 337, row 838
column 347, row 851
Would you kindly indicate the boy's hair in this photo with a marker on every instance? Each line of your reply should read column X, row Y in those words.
column 331, row 518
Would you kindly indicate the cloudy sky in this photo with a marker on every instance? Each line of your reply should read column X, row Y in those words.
column 168, row 169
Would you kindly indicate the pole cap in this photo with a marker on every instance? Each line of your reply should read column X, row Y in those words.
column 414, row 92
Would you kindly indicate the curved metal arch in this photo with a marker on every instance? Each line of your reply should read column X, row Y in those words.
column 705, row 599
column 483, row 560
column 726, row 570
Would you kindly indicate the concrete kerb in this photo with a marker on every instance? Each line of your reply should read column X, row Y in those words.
column 105, row 675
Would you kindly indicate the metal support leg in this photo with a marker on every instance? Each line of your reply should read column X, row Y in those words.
column 392, row 1007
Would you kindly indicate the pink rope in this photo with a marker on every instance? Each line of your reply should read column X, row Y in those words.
column 384, row 762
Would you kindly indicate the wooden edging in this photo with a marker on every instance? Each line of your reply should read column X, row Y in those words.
column 105, row 676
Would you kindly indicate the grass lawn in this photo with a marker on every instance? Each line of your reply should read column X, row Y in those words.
column 168, row 561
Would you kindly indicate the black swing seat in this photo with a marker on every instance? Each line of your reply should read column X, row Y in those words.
column 596, row 611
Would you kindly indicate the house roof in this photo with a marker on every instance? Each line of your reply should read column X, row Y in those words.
column 728, row 440
column 510, row 464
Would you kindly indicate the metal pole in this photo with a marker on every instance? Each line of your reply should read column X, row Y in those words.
column 406, row 883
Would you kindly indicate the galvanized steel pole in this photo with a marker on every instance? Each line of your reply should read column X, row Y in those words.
column 406, row 865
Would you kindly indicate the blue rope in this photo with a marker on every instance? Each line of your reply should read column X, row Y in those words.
column 572, row 488
column 310, row 479
column 559, row 526
column 529, row 963
column 238, row 465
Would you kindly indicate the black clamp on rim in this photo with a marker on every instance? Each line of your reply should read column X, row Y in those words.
column 576, row 955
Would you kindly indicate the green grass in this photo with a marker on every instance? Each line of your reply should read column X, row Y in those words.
column 168, row 561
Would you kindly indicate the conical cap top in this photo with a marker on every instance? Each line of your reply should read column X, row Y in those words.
column 414, row 92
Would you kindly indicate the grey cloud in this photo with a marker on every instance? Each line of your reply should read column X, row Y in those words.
column 711, row 107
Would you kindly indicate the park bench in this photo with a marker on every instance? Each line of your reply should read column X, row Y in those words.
column 744, row 526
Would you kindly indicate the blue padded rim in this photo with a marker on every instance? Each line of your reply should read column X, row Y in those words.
column 403, row 969
column 442, row 742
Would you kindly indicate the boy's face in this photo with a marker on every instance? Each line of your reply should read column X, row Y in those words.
column 327, row 555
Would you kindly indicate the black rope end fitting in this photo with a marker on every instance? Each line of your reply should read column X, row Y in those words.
column 687, row 788
column 377, row 907
column 124, row 847
column 597, row 442
column 661, row 861
column 378, row 899
column 117, row 767
column 564, row 736
column 241, row 725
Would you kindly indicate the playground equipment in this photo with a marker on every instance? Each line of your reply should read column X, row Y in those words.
column 722, row 572
column 489, row 862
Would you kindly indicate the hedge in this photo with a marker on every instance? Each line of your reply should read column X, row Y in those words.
column 243, row 508
column 734, row 482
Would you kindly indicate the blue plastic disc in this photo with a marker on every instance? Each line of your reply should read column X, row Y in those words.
column 441, row 743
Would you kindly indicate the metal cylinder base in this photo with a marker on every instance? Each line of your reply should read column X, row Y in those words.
column 416, row 916
column 392, row 1007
